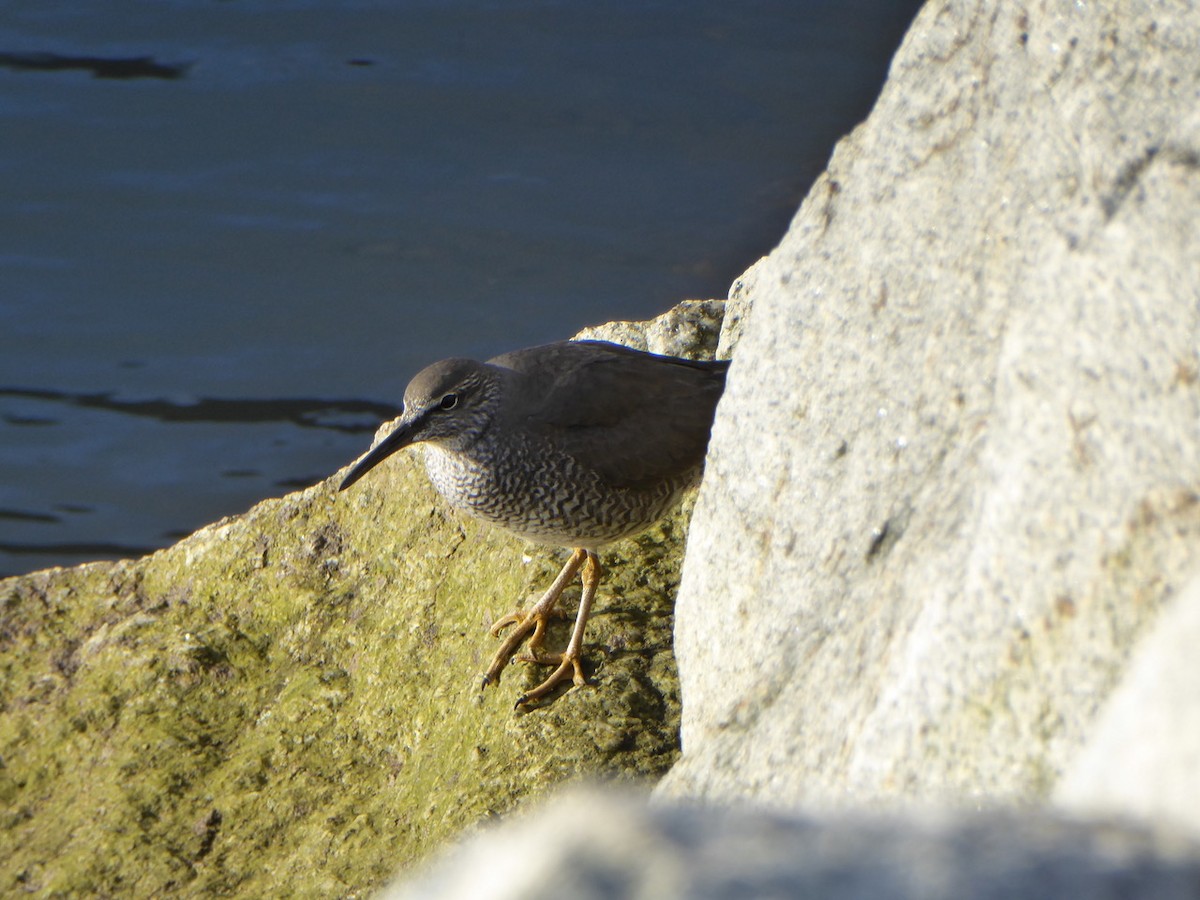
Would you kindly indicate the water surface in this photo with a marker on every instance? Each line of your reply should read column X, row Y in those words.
column 230, row 231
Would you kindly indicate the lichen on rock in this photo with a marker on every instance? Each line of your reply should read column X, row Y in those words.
column 288, row 701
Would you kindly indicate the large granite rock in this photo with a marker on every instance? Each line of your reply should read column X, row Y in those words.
column 1143, row 756
column 955, row 474
column 287, row 702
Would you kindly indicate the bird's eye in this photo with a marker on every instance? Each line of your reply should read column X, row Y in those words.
column 449, row 401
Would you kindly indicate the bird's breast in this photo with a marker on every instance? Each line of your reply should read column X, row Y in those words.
column 544, row 496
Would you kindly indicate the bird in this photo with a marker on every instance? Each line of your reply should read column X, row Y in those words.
column 574, row 444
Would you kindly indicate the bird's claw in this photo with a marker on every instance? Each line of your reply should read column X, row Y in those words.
column 503, row 622
column 525, row 624
column 568, row 667
column 517, row 618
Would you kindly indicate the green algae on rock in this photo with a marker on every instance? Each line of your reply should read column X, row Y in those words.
column 287, row 702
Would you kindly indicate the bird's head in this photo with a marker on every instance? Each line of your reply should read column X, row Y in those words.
column 445, row 403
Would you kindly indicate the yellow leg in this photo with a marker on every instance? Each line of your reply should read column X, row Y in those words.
column 533, row 620
column 569, row 660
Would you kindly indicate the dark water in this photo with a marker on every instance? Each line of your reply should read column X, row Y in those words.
column 231, row 230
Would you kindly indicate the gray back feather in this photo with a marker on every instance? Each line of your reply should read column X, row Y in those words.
column 634, row 417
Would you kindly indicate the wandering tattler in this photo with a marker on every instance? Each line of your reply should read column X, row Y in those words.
column 575, row 444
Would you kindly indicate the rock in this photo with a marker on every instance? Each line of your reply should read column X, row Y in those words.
column 954, row 476
column 288, row 701
column 690, row 329
column 1143, row 756
column 600, row 845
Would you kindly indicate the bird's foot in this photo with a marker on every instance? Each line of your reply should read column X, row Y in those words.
column 569, row 667
column 531, row 624
column 519, row 618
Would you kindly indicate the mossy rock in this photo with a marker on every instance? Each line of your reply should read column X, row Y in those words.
column 287, row 703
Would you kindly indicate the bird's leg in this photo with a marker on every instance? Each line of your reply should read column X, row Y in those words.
column 532, row 620
column 569, row 665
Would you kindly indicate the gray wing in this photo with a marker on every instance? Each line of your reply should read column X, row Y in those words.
column 634, row 417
